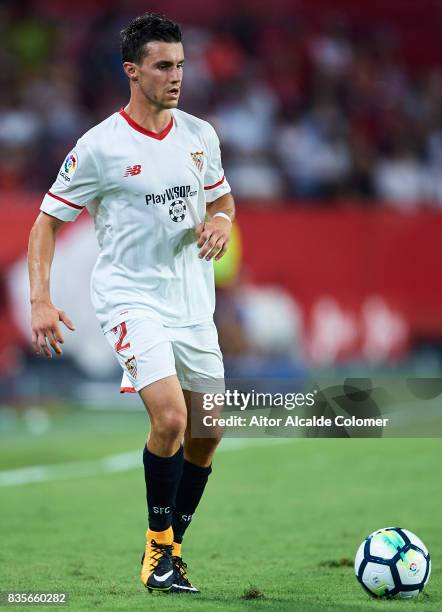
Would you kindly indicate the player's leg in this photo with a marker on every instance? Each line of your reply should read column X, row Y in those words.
column 198, row 453
column 144, row 351
column 199, row 362
column 197, row 467
column 163, row 464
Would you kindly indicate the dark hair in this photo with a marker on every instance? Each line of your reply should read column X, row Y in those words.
column 144, row 29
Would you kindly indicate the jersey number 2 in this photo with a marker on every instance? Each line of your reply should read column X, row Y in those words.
column 122, row 330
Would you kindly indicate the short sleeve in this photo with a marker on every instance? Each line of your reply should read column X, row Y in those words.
column 215, row 183
column 77, row 183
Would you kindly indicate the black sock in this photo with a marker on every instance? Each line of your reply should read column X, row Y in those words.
column 191, row 488
column 162, row 476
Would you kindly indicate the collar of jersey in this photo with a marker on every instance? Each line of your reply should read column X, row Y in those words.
column 136, row 126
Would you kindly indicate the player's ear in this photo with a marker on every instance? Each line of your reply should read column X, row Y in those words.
column 131, row 71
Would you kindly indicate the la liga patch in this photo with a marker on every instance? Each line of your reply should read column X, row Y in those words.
column 69, row 166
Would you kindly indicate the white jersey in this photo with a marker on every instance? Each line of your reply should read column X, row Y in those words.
column 147, row 193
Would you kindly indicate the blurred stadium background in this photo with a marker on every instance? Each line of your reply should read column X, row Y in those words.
column 330, row 118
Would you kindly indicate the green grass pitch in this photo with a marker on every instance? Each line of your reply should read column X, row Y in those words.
column 280, row 522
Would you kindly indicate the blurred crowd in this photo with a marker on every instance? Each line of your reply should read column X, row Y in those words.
column 314, row 114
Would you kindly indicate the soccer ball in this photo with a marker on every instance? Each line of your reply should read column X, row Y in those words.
column 393, row 562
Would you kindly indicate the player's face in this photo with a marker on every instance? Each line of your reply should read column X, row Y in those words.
column 160, row 74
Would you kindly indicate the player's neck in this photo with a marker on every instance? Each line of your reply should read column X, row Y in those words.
column 151, row 119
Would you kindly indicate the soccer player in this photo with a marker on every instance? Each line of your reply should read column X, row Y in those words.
column 151, row 177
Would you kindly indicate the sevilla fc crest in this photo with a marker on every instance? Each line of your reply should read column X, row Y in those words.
column 131, row 366
column 198, row 159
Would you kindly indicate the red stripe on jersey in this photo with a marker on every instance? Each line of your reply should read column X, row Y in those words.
column 136, row 126
column 216, row 184
column 65, row 201
column 127, row 390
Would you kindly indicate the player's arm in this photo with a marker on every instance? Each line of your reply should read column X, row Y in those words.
column 78, row 182
column 214, row 233
column 45, row 317
column 224, row 204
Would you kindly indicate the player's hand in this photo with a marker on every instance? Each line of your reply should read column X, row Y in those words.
column 213, row 238
column 45, row 320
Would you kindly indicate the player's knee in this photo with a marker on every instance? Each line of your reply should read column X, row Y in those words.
column 170, row 425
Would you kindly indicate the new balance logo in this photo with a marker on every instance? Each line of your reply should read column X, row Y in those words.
column 133, row 170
